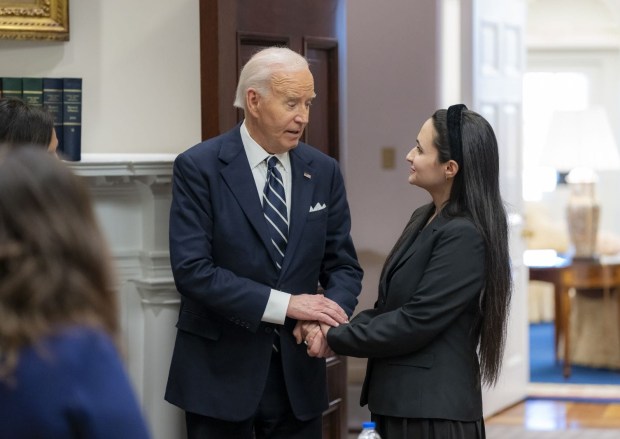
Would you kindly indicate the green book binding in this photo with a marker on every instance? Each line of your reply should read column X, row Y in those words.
column 12, row 87
column 32, row 91
column 72, row 119
column 52, row 102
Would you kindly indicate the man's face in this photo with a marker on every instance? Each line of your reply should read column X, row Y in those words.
column 282, row 115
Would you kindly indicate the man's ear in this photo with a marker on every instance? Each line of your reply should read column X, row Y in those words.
column 452, row 168
column 252, row 100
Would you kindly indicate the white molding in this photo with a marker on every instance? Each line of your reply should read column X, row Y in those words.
column 155, row 265
column 568, row 43
column 127, row 264
column 158, row 292
column 131, row 195
column 123, row 164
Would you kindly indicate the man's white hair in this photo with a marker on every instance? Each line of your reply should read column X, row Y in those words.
column 258, row 72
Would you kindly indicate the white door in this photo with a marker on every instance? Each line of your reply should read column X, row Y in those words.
column 492, row 66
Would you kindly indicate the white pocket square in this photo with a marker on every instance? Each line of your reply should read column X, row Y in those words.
column 317, row 207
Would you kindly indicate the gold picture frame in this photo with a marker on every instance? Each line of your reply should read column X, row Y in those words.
column 34, row 20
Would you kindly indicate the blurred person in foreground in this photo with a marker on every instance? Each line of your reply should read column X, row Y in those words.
column 61, row 375
column 438, row 328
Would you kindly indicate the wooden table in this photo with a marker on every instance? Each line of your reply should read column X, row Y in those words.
column 551, row 268
column 565, row 274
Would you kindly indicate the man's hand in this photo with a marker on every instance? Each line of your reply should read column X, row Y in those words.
column 315, row 307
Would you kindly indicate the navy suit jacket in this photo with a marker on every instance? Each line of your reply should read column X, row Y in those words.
column 221, row 258
column 421, row 337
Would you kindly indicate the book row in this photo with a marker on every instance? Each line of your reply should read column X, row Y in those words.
column 62, row 97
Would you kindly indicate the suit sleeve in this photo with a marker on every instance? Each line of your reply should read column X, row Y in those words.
column 452, row 279
column 191, row 253
column 341, row 274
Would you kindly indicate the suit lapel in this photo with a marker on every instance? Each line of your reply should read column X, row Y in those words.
column 405, row 247
column 415, row 224
column 422, row 238
column 302, row 189
column 239, row 179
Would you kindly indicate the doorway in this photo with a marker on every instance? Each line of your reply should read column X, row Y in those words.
column 573, row 55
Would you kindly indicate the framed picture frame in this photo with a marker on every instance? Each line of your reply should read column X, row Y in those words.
column 34, row 20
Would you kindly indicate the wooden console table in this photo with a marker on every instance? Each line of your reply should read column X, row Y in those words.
column 565, row 274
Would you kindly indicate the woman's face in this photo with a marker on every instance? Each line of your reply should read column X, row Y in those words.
column 54, row 142
column 426, row 171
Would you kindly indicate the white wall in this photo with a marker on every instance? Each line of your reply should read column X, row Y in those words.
column 139, row 61
column 392, row 83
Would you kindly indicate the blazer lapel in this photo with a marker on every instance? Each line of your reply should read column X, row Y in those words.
column 239, row 179
column 404, row 248
column 422, row 238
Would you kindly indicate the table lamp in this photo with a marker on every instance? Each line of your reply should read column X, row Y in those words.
column 581, row 143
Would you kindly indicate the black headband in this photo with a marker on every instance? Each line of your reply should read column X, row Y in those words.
column 454, row 132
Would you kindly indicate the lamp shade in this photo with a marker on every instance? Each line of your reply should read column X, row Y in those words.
column 581, row 139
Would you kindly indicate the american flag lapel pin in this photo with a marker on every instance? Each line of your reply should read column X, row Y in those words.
column 307, row 175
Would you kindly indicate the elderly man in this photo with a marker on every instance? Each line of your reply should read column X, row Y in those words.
column 258, row 221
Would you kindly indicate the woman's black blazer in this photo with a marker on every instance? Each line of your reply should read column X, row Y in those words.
column 420, row 338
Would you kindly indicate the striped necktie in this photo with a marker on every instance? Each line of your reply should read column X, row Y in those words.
column 274, row 208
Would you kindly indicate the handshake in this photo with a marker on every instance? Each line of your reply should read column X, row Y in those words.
column 316, row 314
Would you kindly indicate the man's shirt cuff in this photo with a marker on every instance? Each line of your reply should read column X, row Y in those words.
column 275, row 311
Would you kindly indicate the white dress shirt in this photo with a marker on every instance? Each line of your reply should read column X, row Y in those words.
column 275, row 311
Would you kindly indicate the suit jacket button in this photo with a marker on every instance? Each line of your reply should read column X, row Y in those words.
column 268, row 330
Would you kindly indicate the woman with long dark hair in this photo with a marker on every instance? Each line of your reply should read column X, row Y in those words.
column 438, row 328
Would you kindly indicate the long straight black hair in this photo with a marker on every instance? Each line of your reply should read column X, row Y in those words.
column 475, row 194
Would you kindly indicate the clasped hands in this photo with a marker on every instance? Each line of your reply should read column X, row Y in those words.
column 315, row 314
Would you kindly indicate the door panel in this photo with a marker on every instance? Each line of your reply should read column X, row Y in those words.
column 322, row 131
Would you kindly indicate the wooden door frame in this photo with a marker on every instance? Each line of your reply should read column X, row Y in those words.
column 329, row 45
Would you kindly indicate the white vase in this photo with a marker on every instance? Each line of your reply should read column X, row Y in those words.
column 583, row 212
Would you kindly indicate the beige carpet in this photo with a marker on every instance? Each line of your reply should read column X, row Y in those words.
column 511, row 432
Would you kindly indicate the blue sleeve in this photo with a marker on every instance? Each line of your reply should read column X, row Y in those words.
column 72, row 384
column 105, row 405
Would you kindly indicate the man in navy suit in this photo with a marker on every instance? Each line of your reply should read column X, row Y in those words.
column 236, row 368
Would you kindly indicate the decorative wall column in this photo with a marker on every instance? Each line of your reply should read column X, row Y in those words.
column 131, row 195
